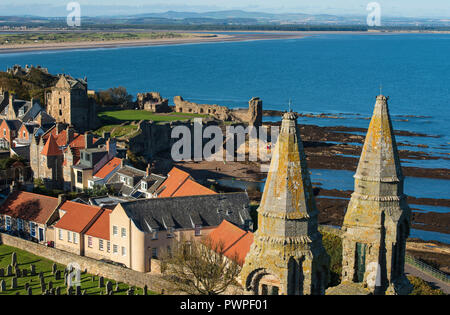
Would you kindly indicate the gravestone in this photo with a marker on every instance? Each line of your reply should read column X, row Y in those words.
column 84, row 292
column 14, row 283
column 101, row 282
column 54, row 268
column 117, row 287
column 9, row 271
column 70, row 291
column 33, row 269
column 52, row 291
column 14, row 259
column 93, row 278
column 78, row 290
column 50, row 285
column 58, row 275
column 18, row 271
column 58, row 291
column 145, row 290
column 43, row 287
column 2, row 272
column 41, row 275
column 25, row 272
column 109, row 287
column 30, row 291
column 2, row 286
column 27, row 285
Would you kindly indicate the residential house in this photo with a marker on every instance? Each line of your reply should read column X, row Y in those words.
column 140, row 229
column 97, row 238
column 8, row 132
column 75, row 220
column 232, row 241
column 102, row 176
column 29, row 215
column 178, row 184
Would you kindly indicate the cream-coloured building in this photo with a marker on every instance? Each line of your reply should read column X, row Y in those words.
column 141, row 229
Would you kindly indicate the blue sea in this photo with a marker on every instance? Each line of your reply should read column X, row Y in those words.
column 338, row 74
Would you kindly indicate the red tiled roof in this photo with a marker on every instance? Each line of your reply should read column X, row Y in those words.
column 191, row 188
column 100, row 228
column 175, row 178
column 179, row 184
column 29, row 206
column 234, row 241
column 76, row 145
column 108, row 168
column 77, row 216
column 51, row 148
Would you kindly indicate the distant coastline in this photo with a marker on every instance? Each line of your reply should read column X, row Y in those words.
column 207, row 37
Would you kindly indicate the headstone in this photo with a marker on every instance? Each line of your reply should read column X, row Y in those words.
column 27, row 285
column 33, row 270
column 14, row 259
column 129, row 292
column 9, row 271
column 101, row 282
column 58, row 291
column 117, row 287
column 84, row 292
column 78, row 290
column 58, row 275
column 43, row 287
column 109, row 287
column 25, row 272
column 65, row 279
column 52, row 291
column 54, row 268
column 93, row 278
column 14, row 283
column 70, row 291
column 111, row 293
column 50, row 285
column 46, row 292
column 18, row 271
column 2, row 286
column 30, row 291
column 2, row 272
column 41, row 275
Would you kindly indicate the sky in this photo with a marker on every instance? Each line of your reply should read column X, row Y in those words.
column 400, row 8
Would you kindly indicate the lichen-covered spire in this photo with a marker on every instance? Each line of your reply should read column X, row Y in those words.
column 379, row 158
column 288, row 192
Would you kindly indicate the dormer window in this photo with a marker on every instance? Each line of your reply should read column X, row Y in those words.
column 144, row 185
column 198, row 230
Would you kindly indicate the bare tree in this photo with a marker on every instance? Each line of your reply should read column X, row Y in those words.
column 199, row 267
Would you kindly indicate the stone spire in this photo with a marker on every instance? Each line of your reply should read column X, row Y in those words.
column 377, row 221
column 287, row 256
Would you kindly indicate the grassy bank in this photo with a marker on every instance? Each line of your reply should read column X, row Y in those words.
column 137, row 115
column 24, row 259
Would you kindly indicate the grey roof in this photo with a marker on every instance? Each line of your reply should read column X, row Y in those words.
column 13, row 124
column 106, row 201
column 185, row 212
column 154, row 181
column 22, row 151
column 32, row 113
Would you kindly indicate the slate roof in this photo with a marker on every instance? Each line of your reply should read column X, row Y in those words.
column 186, row 212
column 13, row 124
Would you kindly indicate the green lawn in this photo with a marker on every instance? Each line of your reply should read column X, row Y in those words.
column 134, row 115
column 24, row 259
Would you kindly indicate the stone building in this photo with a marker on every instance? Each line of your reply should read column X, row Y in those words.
column 153, row 102
column 377, row 221
column 287, row 255
column 68, row 102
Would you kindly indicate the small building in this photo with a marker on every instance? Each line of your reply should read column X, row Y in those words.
column 102, row 176
column 96, row 242
column 140, row 229
column 178, row 184
column 9, row 130
column 29, row 215
column 75, row 219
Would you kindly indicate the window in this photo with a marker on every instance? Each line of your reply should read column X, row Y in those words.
column 124, row 251
column 60, row 101
column 154, row 252
column 90, row 241
column 8, row 223
column 100, row 244
column 169, row 232
column 198, row 230
column 114, row 230
column 19, row 224
column 144, row 185
column 75, row 238
column 115, row 249
column 123, row 179
column 69, row 236
column 60, row 234
column 124, row 232
column 32, row 229
column 108, row 246
column 24, row 134
column 79, row 176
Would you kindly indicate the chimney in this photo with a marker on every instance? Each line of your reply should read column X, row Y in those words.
column 12, row 97
column 61, row 199
column 88, row 140
column 70, row 135
column 106, row 135
column 32, row 101
column 59, row 127
column 111, row 148
column 149, row 169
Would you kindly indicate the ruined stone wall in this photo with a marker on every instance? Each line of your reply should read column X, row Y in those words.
column 125, row 275
column 153, row 102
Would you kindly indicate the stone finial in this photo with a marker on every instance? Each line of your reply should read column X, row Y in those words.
column 290, row 116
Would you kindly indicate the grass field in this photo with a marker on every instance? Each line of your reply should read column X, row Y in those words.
column 24, row 259
column 67, row 37
column 136, row 115
column 116, row 130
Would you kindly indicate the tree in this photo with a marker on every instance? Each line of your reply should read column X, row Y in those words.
column 199, row 268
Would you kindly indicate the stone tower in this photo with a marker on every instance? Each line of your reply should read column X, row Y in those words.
column 68, row 103
column 377, row 221
column 287, row 256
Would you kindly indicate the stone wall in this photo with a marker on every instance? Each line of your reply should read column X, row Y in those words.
column 153, row 102
column 125, row 275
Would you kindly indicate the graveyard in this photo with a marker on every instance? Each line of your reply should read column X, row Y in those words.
column 22, row 273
